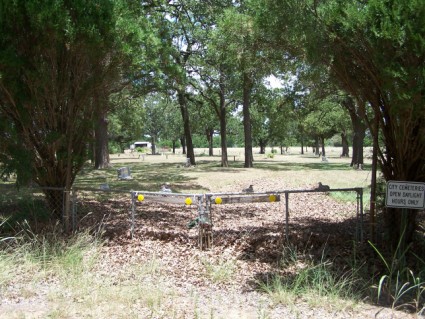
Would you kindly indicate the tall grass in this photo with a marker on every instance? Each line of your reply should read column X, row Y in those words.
column 67, row 272
column 220, row 271
column 398, row 286
column 31, row 259
column 314, row 281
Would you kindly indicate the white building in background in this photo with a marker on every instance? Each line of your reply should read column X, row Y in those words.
column 140, row 145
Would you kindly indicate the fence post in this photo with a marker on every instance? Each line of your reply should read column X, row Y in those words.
column 133, row 204
column 287, row 215
column 361, row 214
column 205, row 235
column 74, row 209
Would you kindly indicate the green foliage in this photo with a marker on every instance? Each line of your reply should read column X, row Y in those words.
column 24, row 209
column 56, row 58
column 143, row 150
column 310, row 280
column 15, row 158
column 374, row 50
column 221, row 271
column 398, row 285
column 48, row 253
column 114, row 147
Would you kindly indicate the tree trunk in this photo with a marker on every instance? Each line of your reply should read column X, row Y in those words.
column 403, row 160
column 153, row 142
column 344, row 142
column 322, row 140
column 247, row 87
column 183, row 143
column 222, row 114
column 263, row 145
column 373, row 181
column 359, row 130
column 101, row 155
column 210, row 135
column 223, row 135
column 316, row 146
column 302, row 141
column 186, row 126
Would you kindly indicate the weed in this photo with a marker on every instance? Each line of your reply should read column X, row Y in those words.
column 314, row 281
column 221, row 271
column 399, row 286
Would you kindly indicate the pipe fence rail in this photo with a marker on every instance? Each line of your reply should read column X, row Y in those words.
column 270, row 213
column 359, row 206
column 219, row 218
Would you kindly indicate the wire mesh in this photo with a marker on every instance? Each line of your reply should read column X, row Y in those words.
column 166, row 217
column 246, row 222
column 317, row 217
column 102, row 210
column 36, row 205
column 250, row 228
column 296, row 216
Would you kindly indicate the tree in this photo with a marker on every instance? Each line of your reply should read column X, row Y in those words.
column 154, row 105
column 177, row 22
column 375, row 49
column 359, row 130
column 14, row 157
column 325, row 120
column 126, row 119
column 101, row 149
column 216, row 89
column 56, row 57
column 263, row 109
column 243, row 50
column 173, row 129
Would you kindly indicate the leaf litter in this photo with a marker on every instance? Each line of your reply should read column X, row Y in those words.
column 223, row 281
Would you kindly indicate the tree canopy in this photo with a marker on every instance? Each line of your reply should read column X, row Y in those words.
column 57, row 58
column 375, row 50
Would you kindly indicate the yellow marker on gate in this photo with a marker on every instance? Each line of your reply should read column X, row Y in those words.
column 140, row 198
column 218, row 200
column 188, row 201
column 272, row 198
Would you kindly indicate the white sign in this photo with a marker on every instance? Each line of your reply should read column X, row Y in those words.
column 405, row 195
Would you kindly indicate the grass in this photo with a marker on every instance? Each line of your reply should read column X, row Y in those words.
column 69, row 266
column 315, row 282
column 398, row 285
column 220, row 271
column 149, row 174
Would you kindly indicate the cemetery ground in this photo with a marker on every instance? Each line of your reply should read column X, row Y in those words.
column 254, row 269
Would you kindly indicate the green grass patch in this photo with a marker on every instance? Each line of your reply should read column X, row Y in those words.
column 220, row 271
column 316, row 282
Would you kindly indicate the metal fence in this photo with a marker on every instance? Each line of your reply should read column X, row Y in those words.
column 42, row 206
column 102, row 210
column 166, row 216
column 37, row 205
column 200, row 219
column 283, row 215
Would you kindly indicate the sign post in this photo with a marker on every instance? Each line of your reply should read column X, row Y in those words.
column 409, row 195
